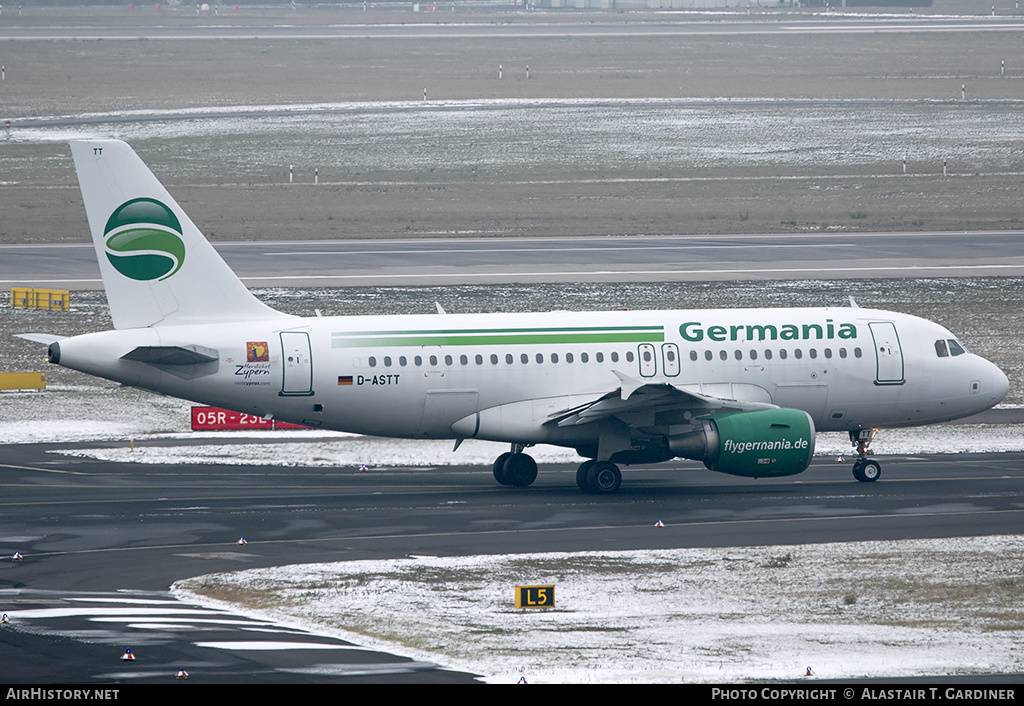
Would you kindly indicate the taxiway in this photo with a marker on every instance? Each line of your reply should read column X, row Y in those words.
column 107, row 540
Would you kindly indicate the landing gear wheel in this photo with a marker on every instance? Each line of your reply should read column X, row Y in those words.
column 520, row 470
column 581, row 475
column 499, row 468
column 604, row 478
column 864, row 469
column 867, row 471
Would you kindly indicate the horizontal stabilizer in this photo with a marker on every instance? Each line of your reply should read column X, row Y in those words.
column 173, row 355
column 44, row 338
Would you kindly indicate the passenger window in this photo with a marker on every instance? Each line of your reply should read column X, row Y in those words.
column 463, row 360
column 753, row 355
column 615, row 357
column 509, row 358
column 723, row 355
column 418, row 360
column 798, row 354
column 584, row 357
column 568, row 357
column 599, row 357
column 783, row 354
column 402, row 361
column 479, row 360
column 448, row 360
column 693, row 355
column 629, row 356
column 494, row 359
column 371, row 361
column 768, row 354
column 540, row 357
column 708, row 355
column 387, row 361
column 554, row 357
column 524, row 358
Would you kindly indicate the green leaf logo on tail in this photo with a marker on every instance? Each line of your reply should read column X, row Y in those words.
column 143, row 240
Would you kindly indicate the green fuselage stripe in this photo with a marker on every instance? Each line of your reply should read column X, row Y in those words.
column 490, row 337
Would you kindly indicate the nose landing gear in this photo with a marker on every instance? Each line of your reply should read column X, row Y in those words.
column 864, row 469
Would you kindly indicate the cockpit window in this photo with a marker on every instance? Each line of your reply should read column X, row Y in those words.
column 940, row 349
column 955, row 348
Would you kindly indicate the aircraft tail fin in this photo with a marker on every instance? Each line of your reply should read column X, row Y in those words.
column 157, row 267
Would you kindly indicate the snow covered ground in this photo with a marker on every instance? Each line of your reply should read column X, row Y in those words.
column 590, row 135
column 880, row 609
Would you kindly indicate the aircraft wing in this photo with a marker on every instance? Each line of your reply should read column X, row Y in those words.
column 635, row 397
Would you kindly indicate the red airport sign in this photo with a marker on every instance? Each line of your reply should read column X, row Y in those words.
column 216, row 419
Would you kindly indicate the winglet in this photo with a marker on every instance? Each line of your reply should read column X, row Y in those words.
column 157, row 267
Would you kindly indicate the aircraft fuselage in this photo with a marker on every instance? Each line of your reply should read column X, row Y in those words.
column 417, row 376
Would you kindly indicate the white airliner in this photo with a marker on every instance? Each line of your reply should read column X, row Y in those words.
column 742, row 390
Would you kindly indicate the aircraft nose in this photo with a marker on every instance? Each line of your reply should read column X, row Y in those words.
column 1000, row 383
column 994, row 385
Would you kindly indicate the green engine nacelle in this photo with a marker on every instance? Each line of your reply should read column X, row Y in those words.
column 759, row 444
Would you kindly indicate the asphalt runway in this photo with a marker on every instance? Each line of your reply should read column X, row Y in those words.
column 545, row 25
column 594, row 259
column 101, row 544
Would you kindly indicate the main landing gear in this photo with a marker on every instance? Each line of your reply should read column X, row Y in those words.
column 515, row 468
column 598, row 477
column 520, row 470
column 864, row 469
